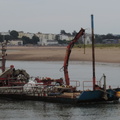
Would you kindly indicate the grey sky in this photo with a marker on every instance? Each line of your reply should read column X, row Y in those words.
column 51, row 16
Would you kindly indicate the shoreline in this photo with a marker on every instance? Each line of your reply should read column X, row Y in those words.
column 21, row 53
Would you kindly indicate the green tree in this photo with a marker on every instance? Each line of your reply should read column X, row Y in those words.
column 1, row 38
column 62, row 42
column 57, row 37
column 8, row 37
column 98, row 38
column 63, row 32
column 74, row 33
column 26, row 40
column 110, row 36
column 14, row 34
column 35, row 39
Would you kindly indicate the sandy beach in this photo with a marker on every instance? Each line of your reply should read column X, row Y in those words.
column 111, row 55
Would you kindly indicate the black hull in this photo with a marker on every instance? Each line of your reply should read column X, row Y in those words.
column 62, row 100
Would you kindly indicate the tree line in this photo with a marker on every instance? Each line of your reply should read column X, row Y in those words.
column 34, row 40
column 14, row 36
column 100, row 38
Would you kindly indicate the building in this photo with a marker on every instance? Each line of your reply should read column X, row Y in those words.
column 46, row 39
column 21, row 34
column 110, row 41
column 4, row 33
column 66, row 37
column 15, row 42
column 52, row 42
column 87, row 39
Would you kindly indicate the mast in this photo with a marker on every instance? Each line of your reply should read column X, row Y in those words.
column 3, row 59
column 93, row 51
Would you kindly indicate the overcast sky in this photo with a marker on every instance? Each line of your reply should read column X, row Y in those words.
column 51, row 16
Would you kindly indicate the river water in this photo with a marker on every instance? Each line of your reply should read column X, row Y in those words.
column 37, row 110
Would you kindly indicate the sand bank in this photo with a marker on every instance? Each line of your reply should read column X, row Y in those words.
column 111, row 55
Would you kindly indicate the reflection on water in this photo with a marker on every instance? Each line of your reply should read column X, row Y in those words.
column 37, row 110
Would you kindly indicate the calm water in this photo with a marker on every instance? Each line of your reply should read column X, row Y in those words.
column 36, row 110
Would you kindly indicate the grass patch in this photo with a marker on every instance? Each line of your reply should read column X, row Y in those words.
column 98, row 45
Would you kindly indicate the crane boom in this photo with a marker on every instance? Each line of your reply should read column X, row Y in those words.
column 68, row 52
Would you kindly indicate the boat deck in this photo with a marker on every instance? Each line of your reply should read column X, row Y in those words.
column 20, row 90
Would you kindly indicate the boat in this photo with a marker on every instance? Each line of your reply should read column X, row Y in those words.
column 11, row 76
column 55, row 90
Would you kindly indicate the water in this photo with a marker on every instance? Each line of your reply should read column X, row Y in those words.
column 81, row 71
column 37, row 110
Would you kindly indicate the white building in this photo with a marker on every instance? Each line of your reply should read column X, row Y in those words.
column 30, row 35
column 15, row 42
column 4, row 33
column 46, row 39
column 66, row 37
column 87, row 40
column 21, row 34
column 52, row 42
